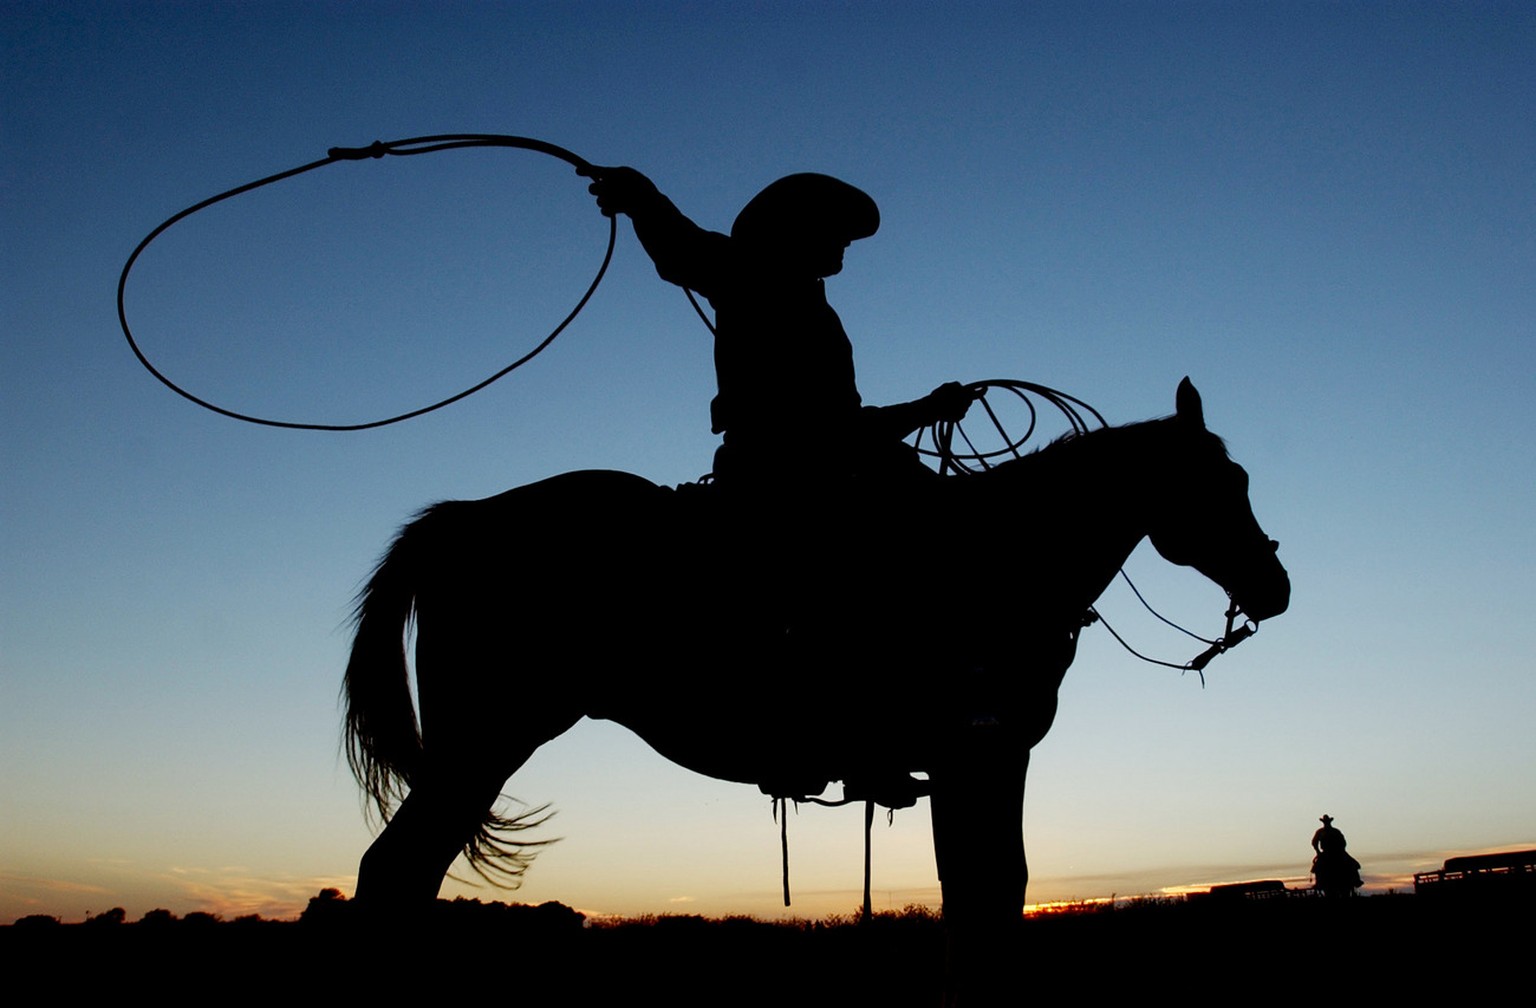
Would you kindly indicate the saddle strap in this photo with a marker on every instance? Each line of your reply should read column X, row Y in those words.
column 781, row 813
column 783, row 816
column 869, row 826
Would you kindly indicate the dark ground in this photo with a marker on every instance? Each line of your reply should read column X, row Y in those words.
column 1397, row 947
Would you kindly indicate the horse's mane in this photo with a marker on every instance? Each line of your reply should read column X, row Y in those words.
column 1063, row 450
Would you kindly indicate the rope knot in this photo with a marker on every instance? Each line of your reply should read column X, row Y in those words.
column 377, row 149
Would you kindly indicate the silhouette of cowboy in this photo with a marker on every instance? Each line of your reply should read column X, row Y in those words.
column 1336, row 872
column 783, row 363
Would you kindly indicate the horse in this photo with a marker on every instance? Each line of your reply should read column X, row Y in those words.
column 782, row 629
column 1337, row 874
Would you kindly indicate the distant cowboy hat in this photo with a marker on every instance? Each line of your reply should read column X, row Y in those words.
column 1326, row 819
column 807, row 203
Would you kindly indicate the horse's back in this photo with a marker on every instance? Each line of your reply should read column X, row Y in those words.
column 584, row 489
column 548, row 548
column 544, row 516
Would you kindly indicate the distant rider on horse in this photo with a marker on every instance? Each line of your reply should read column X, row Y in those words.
column 1336, row 872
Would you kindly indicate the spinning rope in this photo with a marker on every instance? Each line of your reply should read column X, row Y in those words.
column 378, row 149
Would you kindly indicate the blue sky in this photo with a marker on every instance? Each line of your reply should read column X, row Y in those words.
column 1323, row 213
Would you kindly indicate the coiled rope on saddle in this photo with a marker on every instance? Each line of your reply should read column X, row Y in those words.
column 375, row 150
column 941, row 435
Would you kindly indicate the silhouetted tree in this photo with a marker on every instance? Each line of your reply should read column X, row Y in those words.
column 324, row 905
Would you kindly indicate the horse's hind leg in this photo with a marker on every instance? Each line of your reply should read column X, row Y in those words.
column 470, row 747
column 447, row 805
column 405, row 865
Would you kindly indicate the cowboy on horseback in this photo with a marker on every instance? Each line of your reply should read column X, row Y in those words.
column 783, row 363
column 1336, row 871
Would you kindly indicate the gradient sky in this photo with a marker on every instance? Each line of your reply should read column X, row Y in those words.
column 1323, row 213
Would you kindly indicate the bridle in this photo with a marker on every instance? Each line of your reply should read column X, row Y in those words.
column 1231, row 637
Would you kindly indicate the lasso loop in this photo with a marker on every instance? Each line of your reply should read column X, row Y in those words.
column 378, row 149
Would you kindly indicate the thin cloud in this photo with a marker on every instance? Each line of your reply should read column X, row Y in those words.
column 231, row 893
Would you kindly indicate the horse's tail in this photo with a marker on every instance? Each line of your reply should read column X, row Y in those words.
column 383, row 738
column 383, row 735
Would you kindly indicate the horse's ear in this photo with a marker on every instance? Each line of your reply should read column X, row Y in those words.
column 1187, row 404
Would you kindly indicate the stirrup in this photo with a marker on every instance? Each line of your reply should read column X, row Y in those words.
column 898, row 791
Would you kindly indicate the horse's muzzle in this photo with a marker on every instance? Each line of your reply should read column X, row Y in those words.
column 1267, row 597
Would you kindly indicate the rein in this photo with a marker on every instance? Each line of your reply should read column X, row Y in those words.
column 375, row 150
column 1229, row 639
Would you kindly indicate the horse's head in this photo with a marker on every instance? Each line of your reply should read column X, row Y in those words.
column 1210, row 525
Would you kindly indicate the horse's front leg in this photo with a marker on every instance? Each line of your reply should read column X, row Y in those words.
column 978, row 841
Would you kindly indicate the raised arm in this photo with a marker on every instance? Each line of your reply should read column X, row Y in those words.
column 684, row 253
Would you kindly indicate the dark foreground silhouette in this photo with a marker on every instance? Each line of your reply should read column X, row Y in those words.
column 1400, row 947
column 768, row 657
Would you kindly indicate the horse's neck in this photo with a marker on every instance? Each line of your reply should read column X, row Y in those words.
column 1090, row 497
